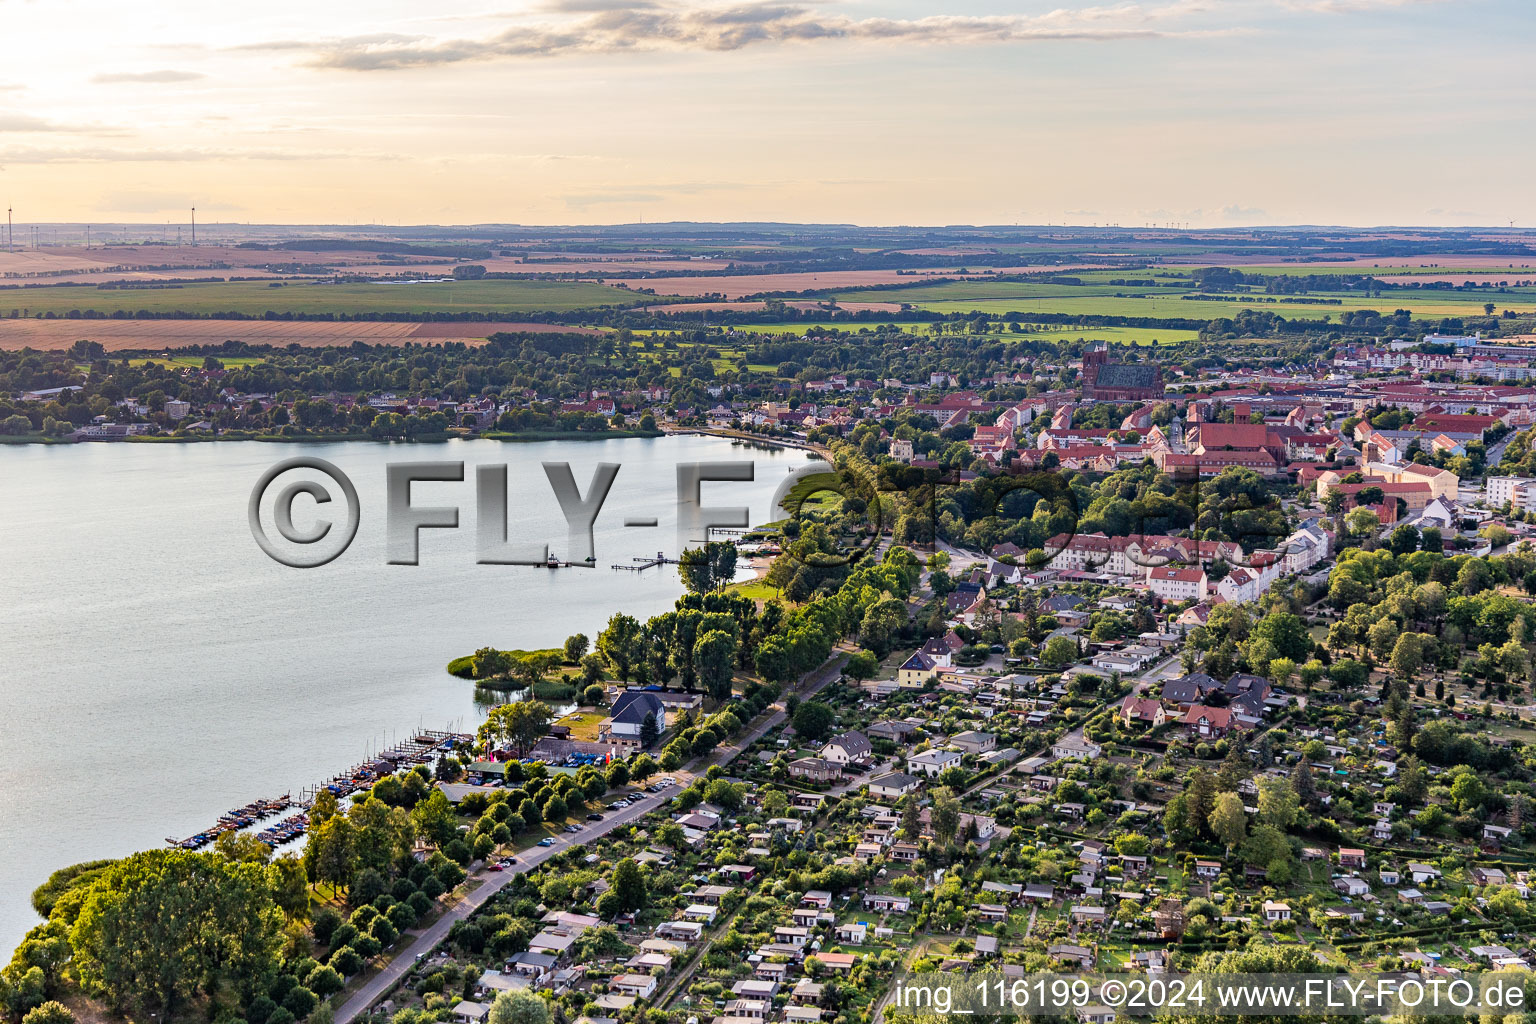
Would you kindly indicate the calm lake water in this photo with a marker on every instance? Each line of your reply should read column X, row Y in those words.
column 157, row 669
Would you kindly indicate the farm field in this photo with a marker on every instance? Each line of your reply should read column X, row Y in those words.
column 256, row 298
column 1118, row 335
column 155, row 335
column 1026, row 297
column 741, row 285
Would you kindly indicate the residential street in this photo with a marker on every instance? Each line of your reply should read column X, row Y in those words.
column 493, row 882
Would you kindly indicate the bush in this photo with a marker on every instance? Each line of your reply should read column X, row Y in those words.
column 49, row 1013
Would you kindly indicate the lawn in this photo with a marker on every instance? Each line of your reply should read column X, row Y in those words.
column 255, row 298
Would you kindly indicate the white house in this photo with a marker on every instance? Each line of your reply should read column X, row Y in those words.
column 1066, row 749
column 1172, row 584
column 849, row 747
column 933, row 762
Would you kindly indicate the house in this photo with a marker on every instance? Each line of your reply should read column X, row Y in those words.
column 1143, row 710
column 685, row 931
column 630, row 711
column 791, row 936
column 992, row 911
column 1207, row 868
column 1352, row 885
column 1421, row 873
column 933, row 762
column 641, row 986
column 1208, row 723
column 1068, row 749
column 853, row 932
column 887, row 902
column 815, row 769
column 916, row 670
column 1350, row 858
column 468, row 1012
column 972, row 742
column 847, row 748
column 1274, row 911
column 1173, row 584
column 893, row 785
column 1067, row 953
column 1489, row 876
column 840, row 963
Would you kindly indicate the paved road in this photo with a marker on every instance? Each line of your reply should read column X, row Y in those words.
column 493, row 882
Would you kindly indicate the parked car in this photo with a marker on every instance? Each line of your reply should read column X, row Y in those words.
column 594, row 816
column 547, row 841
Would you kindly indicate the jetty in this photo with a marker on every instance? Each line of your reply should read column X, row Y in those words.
column 640, row 563
column 422, row 748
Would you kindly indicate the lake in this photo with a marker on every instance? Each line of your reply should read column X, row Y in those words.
column 157, row 669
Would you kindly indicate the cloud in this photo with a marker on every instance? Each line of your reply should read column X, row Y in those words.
column 155, row 77
column 26, row 123
column 606, row 26
column 1233, row 211
column 107, row 155
column 1352, row 6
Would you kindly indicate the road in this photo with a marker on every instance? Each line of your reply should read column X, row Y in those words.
column 493, row 882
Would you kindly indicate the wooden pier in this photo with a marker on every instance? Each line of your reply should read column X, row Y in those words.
column 644, row 562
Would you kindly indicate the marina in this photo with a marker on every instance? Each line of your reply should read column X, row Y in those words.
column 421, row 748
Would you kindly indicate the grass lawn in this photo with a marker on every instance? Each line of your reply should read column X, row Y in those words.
column 256, row 298
column 756, row 590
column 583, row 724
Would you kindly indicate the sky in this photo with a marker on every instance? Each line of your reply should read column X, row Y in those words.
column 1202, row 112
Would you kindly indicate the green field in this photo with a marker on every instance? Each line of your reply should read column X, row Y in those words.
column 1001, row 297
column 1120, row 335
column 255, row 298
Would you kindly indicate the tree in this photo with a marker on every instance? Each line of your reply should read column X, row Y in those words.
column 882, row 624
column 576, row 648
column 650, row 731
column 629, row 886
column 1407, row 655
column 813, row 720
column 1286, row 634
column 714, row 658
column 1404, row 539
column 520, row 723
column 1059, row 652
column 1278, row 804
column 519, row 1006
column 1229, row 822
column 944, row 816
column 434, row 819
column 490, row 663
column 861, row 665
column 593, row 695
column 330, row 856
column 158, row 927
column 619, row 643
